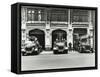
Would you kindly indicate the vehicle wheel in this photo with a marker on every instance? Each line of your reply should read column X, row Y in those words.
column 65, row 51
column 24, row 54
column 92, row 50
column 55, row 52
column 34, row 53
column 38, row 52
column 81, row 50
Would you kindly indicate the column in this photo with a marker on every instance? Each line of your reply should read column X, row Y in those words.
column 47, row 37
column 23, row 25
column 48, row 43
column 90, row 29
column 70, row 30
column 93, row 23
column 39, row 16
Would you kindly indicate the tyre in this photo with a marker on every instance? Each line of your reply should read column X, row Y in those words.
column 34, row 53
column 92, row 50
column 81, row 50
column 24, row 54
column 40, row 50
column 55, row 52
column 65, row 52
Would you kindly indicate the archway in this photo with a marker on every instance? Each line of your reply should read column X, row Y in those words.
column 58, row 34
column 77, row 33
column 40, row 36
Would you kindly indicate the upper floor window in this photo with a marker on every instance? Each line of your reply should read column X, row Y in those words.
column 35, row 15
column 78, row 15
column 59, row 15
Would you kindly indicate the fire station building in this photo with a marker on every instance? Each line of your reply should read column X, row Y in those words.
column 45, row 23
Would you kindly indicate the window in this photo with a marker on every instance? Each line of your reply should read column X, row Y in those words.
column 59, row 15
column 79, row 15
column 29, row 15
column 35, row 15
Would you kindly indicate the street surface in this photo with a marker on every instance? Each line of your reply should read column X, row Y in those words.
column 47, row 60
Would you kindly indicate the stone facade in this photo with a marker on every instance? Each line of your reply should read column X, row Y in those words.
column 49, row 26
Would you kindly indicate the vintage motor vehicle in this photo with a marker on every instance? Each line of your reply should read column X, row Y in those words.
column 85, row 48
column 32, row 47
column 60, row 47
column 85, row 45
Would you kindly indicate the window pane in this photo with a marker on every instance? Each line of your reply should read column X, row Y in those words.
column 36, row 15
column 79, row 15
column 29, row 15
column 59, row 15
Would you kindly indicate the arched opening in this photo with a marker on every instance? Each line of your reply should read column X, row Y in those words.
column 77, row 33
column 58, row 34
column 40, row 36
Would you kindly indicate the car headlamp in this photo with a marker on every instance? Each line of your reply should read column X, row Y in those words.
column 66, row 47
column 33, row 48
column 55, row 48
column 22, row 49
column 83, row 46
column 36, row 49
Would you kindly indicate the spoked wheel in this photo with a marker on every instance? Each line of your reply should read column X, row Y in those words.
column 24, row 54
column 66, row 51
column 55, row 52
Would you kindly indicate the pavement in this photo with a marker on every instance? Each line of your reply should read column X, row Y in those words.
column 47, row 60
column 51, row 52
